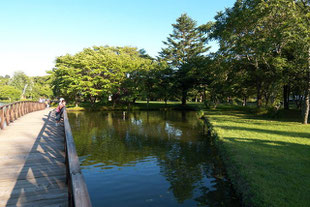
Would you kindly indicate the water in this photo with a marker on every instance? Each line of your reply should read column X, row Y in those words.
column 149, row 159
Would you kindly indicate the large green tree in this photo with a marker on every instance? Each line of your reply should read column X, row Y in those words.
column 9, row 93
column 300, row 36
column 98, row 72
column 184, row 46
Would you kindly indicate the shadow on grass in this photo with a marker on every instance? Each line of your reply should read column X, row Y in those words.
column 270, row 173
column 291, row 115
column 268, row 131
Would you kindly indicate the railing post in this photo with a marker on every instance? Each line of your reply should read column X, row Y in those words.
column 6, row 114
column 20, row 109
column 24, row 108
column 2, row 118
column 15, row 111
column 12, row 112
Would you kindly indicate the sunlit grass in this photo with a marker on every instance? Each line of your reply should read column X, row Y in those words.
column 267, row 160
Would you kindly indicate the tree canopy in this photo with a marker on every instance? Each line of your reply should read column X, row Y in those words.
column 263, row 57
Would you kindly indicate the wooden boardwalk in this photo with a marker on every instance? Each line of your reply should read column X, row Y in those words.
column 32, row 162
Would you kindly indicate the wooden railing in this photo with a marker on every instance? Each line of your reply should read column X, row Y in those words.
column 11, row 112
column 78, row 193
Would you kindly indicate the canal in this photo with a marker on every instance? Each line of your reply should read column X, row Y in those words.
column 157, row 158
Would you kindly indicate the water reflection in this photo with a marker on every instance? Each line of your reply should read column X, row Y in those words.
column 149, row 158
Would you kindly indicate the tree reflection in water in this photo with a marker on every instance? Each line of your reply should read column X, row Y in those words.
column 184, row 154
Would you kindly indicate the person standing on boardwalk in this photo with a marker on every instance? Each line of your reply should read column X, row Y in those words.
column 59, row 110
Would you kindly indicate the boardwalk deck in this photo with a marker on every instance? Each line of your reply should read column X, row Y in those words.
column 32, row 162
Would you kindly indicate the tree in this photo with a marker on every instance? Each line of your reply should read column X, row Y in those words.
column 96, row 73
column 40, row 87
column 9, row 93
column 255, row 31
column 184, row 46
column 20, row 81
column 300, row 35
column 4, row 80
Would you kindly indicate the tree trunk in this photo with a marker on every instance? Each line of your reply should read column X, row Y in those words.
column 244, row 101
column 306, row 107
column 286, row 97
column 298, row 102
column 267, row 98
column 307, row 97
column 184, row 96
column 258, row 94
column 204, row 96
column 115, row 99
column 258, row 87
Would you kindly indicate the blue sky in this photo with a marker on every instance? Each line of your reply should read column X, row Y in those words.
column 34, row 32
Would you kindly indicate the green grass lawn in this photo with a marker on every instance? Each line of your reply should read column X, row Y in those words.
column 267, row 160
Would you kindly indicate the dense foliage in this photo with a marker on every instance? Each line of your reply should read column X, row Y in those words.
column 264, row 57
column 266, row 44
column 99, row 73
column 21, row 86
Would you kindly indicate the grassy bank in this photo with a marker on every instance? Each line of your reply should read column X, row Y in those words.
column 267, row 160
column 139, row 105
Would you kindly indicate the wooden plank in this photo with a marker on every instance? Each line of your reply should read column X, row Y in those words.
column 54, row 203
column 31, row 188
column 8, row 162
column 21, row 161
column 29, row 140
column 80, row 191
column 37, row 165
column 48, row 197
column 32, row 173
column 54, row 180
column 32, row 169
column 48, row 149
column 41, row 147
column 32, row 161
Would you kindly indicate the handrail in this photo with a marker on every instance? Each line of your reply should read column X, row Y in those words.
column 78, row 193
column 11, row 112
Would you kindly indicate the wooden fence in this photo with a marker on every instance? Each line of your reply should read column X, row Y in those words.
column 78, row 193
column 11, row 112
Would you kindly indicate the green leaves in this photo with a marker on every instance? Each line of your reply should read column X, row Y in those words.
column 97, row 72
column 9, row 93
column 184, row 47
column 262, row 37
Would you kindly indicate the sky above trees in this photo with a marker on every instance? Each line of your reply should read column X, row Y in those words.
column 33, row 33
